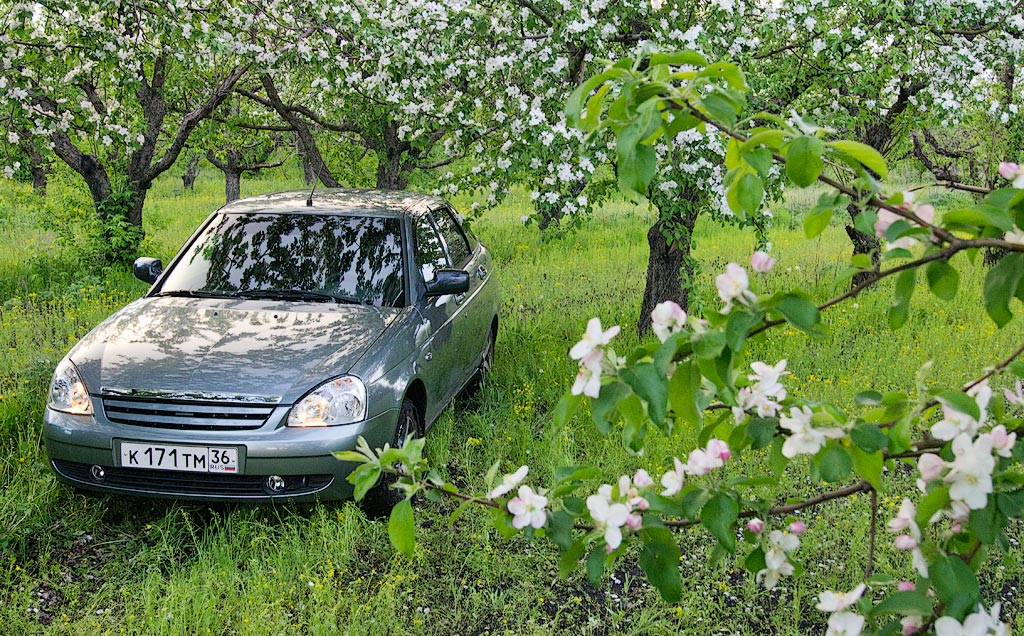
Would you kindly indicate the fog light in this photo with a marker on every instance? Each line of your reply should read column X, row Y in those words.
column 97, row 473
column 275, row 483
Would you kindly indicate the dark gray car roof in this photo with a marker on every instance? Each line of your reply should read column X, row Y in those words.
column 338, row 201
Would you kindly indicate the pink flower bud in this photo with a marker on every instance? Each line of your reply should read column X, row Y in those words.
column 761, row 262
column 719, row 448
column 906, row 586
column 641, row 479
column 955, row 527
column 756, row 526
column 1008, row 170
column 905, row 542
column 634, row 521
column 798, row 528
column 1002, row 442
column 931, row 466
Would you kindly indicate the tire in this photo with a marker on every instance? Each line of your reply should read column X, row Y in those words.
column 476, row 385
column 380, row 499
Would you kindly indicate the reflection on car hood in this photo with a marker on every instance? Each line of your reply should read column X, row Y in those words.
column 239, row 347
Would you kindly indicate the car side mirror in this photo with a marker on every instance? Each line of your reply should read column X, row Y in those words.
column 148, row 269
column 448, row 281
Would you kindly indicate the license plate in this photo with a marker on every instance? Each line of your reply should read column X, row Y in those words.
column 196, row 459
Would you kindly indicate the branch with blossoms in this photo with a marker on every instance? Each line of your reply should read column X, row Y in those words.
column 962, row 442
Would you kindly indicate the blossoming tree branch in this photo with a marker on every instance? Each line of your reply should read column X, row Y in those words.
column 960, row 440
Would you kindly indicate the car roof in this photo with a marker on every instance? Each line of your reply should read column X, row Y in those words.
column 338, row 201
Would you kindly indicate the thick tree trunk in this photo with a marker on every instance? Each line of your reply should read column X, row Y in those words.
column 392, row 166
column 188, row 178
column 232, row 185
column 669, row 270
column 302, row 131
column 308, row 171
column 862, row 244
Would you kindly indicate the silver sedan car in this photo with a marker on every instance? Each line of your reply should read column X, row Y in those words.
column 283, row 330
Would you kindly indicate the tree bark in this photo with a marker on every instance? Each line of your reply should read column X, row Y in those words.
column 862, row 244
column 232, row 185
column 670, row 269
column 188, row 178
column 302, row 130
column 393, row 161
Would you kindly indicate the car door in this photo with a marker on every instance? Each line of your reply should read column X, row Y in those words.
column 472, row 319
column 440, row 363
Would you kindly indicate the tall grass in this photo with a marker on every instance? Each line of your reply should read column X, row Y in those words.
column 75, row 564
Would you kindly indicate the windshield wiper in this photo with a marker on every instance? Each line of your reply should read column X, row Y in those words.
column 192, row 293
column 296, row 294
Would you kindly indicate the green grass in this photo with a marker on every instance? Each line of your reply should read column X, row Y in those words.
column 75, row 564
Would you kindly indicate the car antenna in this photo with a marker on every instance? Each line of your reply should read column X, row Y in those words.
column 309, row 199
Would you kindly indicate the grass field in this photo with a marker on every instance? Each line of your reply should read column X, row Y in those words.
column 74, row 564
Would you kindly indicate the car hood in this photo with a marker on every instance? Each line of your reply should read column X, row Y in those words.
column 235, row 347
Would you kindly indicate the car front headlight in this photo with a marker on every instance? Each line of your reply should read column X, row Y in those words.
column 68, row 392
column 335, row 402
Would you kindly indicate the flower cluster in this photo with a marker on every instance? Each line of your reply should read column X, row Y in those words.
column 980, row 623
column 956, row 422
column 776, row 558
column 701, row 461
column 969, row 475
column 805, row 438
column 614, row 507
column 529, row 507
column 909, row 535
column 590, row 353
column 842, row 622
column 765, row 392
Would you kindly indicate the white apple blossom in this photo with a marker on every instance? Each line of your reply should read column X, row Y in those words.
column 508, row 482
column 593, row 339
column 588, row 380
column 845, row 624
column 528, row 509
column 1012, row 172
column 804, row 438
column 673, row 479
column 1002, row 441
column 1015, row 235
column 776, row 560
column 955, row 422
column 970, row 477
column 609, row 516
column 829, row 601
column 767, row 378
column 734, row 286
column 761, row 262
column 1015, row 397
column 666, row 319
column 980, row 623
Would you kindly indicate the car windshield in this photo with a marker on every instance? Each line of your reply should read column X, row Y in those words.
column 298, row 257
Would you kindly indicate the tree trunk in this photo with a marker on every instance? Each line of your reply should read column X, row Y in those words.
column 392, row 168
column 862, row 244
column 232, row 185
column 307, row 169
column 302, row 131
column 670, row 269
column 188, row 179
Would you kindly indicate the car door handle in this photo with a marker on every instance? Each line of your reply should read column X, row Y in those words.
column 429, row 356
column 481, row 272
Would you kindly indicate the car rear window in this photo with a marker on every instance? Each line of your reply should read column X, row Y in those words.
column 356, row 257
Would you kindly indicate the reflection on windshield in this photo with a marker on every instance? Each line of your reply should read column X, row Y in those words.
column 333, row 257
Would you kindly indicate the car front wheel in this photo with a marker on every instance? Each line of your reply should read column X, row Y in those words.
column 380, row 499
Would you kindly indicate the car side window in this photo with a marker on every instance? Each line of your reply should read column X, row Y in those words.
column 430, row 255
column 458, row 247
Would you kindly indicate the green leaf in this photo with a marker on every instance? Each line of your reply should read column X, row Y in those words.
column 816, row 221
column 943, row 279
column 718, row 516
column 799, row 312
column 987, row 522
column 912, row 603
column 559, row 527
column 566, row 408
column 930, row 504
column 683, row 389
column 709, row 344
column 868, row 398
column 961, row 402
column 745, row 195
column 835, row 464
column 651, row 386
column 755, row 562
column 869, row 466
column 899, row 310
column 954, row 583
column 606, row 402
column 869, row 438
column 570, row 558
column 738, row 327
column 637, row 168
column 759, row 159
column 863, row 154
column 595, row 564
column 350, row 456
column 660, row 562
column 762, row 430
column 364, row 478
column 1001, row 284
column 401, row 529
column 803, row 160
column 679, row 58
column 720, row 109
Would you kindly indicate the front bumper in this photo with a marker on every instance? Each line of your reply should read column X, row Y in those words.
column 77, row 443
